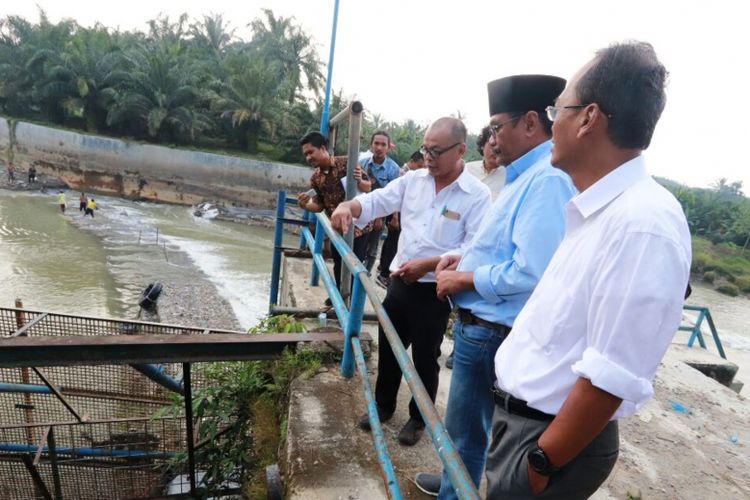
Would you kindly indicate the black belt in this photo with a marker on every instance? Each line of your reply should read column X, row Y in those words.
column 517, row 406
column 467, row 318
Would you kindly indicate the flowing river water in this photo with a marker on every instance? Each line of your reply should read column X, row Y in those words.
column 68, row 263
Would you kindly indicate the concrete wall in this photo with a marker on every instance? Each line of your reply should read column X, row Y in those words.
column 145, row 171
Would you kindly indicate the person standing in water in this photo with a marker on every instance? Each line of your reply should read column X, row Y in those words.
column 90, row 207
column 82, row 203
column 61, row 201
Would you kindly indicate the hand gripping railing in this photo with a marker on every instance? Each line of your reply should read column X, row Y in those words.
column 351, row 318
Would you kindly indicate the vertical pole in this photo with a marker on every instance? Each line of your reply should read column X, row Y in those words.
column 157, row 235
column 53, row 463
column 318, row 249
column 326, row 113
column 306, row 216
column 189, row 424
column 353, row 326
column 278, row 239
column 355, row 126
column 28, row 412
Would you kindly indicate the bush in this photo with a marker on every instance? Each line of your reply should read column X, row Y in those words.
column 709, row 277
column 743, row 283
column 728, row 289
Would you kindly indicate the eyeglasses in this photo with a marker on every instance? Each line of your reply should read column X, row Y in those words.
column 553, row 110
column 436, row 152
column 494, row 129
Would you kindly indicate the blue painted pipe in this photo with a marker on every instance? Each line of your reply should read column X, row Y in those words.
column 325, row 117
column 86, row 452
column 278, row 240
column 158, row 375
column 25, row 388
column 377, row 431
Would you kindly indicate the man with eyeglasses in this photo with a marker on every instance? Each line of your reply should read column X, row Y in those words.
column 441, row 208
column 586, row 346
column 493, row 277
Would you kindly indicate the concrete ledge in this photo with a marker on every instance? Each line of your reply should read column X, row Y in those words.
column 711, row 365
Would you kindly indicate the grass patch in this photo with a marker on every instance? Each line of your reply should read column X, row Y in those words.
column 726, row 266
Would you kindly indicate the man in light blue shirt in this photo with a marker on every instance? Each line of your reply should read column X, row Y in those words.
column 496, row 274
column 381, row 170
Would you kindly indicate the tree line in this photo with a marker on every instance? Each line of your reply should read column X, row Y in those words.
column 183, row 82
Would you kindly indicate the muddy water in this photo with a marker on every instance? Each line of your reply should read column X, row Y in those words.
column 68, row 263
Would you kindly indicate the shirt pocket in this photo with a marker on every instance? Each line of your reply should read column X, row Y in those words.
column 448, row 232
column 555, row 320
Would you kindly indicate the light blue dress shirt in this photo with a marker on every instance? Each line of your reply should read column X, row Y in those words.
column 517, row 239
column 384, row 173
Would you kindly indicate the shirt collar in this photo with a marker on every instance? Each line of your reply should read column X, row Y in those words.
column 609, row 187
column 522, row 164
column 464, row 181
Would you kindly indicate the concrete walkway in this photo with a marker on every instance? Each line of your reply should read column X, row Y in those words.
column 691, row 441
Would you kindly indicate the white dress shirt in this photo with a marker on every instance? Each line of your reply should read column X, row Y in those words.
column 431, row 223
column 610, row 301
column 495, row 180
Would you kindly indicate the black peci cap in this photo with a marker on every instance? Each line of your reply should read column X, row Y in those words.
column 522, row 93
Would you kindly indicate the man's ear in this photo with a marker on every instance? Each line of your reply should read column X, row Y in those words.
column 589, row 119
column 531, row 122
column 462, row 149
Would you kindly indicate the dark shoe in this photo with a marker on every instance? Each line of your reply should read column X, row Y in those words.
column 364, row 421
column 383, row 281
column 411, row 433
column 428, row 483
column 449, row 362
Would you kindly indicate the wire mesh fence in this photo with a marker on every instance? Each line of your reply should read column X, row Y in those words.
column 125, row 458
column 107, row 443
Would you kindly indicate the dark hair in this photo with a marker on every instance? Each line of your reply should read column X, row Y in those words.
column 482, row 139
column 381, row 132
column 315, row 138
column 416, row 156
column 627, row 81
column 544, row 121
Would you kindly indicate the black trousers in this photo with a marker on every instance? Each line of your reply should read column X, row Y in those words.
column 420, row 319
column 388, row 252
column 359, row 246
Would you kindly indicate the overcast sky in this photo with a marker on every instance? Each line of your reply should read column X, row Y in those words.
column 425, row 59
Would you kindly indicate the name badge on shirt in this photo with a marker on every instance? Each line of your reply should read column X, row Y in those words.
column 450, row 214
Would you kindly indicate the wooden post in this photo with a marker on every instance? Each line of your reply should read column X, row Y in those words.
column 28, row 405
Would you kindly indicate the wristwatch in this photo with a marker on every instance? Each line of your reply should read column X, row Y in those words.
column 540, row 462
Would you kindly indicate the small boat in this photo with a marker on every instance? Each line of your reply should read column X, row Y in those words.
column 150, row 295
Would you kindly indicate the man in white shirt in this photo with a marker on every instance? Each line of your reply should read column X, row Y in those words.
column 441, row 209
column 585, row 348
column 488, row 169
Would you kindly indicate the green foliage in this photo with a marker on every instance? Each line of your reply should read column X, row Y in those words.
column 237, row 404
column 709, row 277
column 241, row 408
column 280, row 323
column 191, row 83
column 728, row 289
column 743, row 284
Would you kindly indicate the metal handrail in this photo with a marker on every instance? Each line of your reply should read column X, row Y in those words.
column 703, row 314
column 351, row 318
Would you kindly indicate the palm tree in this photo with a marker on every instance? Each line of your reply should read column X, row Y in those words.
column 87, row 68
column 250, row 99
column 159, row 93
column 278, row 39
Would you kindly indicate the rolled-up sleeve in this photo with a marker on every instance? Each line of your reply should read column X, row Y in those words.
column 381, row 202
column 636, row 307
column 538, row 229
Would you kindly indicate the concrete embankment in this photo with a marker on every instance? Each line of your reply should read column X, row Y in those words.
column 145, row 171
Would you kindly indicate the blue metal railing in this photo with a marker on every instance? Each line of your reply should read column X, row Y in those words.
column 703, row 314
column 351, row 318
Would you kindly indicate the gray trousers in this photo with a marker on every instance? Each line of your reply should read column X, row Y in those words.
column 507, row 466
